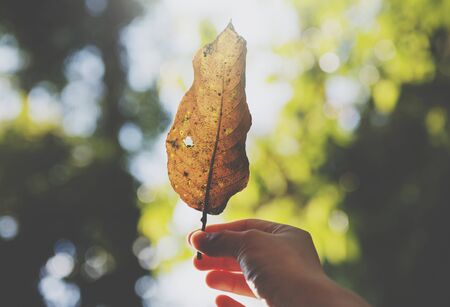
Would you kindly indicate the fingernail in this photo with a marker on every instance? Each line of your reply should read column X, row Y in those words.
column 199, row 237
column 189, row 238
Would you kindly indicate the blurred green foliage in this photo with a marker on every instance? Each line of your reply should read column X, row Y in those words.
column 369, row 177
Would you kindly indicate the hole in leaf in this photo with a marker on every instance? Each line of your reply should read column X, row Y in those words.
column 188, row 142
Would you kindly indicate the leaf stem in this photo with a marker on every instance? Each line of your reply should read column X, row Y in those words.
column 204, row 220
column 211, row 167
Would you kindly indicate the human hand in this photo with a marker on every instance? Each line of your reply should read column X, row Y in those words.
column 275, row 262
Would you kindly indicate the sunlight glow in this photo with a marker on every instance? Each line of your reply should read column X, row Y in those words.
column 191, row 289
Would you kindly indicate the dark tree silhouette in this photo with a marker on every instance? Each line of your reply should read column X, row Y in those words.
column 401, row 206
column 51, row 196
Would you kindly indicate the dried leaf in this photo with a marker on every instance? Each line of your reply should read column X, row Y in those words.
column 207, row 162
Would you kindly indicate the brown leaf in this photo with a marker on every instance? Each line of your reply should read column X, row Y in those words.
column 207, row 162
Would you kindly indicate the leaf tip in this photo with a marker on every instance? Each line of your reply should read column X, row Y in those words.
column 230, row 25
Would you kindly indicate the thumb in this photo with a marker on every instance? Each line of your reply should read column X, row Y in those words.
column 217, row 244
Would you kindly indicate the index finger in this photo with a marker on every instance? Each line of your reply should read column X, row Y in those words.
column 243, row 225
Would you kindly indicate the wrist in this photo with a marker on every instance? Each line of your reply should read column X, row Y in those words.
column 295, row 286
column 303, row 289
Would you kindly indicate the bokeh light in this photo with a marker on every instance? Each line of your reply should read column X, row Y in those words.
column 98, row 262
column 130, row 137
column 9, row 227
column 59, row 293
column 96, row 7
column 329, row 62
column 60, row 265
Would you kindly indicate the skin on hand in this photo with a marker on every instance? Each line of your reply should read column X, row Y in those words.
column 274, row 262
